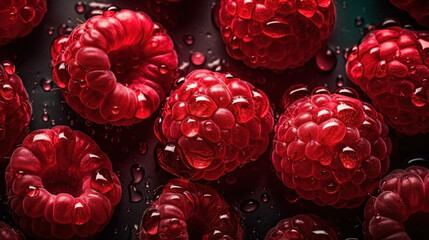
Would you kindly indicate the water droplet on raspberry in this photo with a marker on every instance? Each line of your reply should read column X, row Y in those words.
column 293, row 93
column 101, row 180
column 82, row 83
column 27, row 14
column 359, row 21
column 331, row 186
column 198, row 58
column 356, row 71
column 46, row 84
column 45, row 116
column 332, row 131
column 110, row 11
column 19, row 174
column 61, row 75
column 249, row 205
column 235, row 42
column 349, row 157
column 135, row 195
column 137, row 172
column 419, row 97
column 320, row 90
column 208, row 126
column 115, row 109
column 188, row 39
column 81, row 214
column 142, row 148
column 326, row 60
column 33, row 191
column 201, row 106
column 307, row 7
column 276, row 29
column 13, row 13
column 7, row 92
column 8, row 67
column 226, row 32
column 242, row 109
column 190, row 127
column 163, row 69
column 79, row 7
column 347, row 91
column 151, row 221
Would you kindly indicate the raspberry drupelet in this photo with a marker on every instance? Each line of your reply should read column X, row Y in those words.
column 275, row 34
column 331, row 149
column 212, row 123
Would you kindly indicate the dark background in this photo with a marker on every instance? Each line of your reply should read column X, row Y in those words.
column 254, row 189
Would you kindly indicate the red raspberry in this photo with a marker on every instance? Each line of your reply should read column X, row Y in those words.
column 418, row 9
column 331, row 149
column 115, row 68
column 216, row 121
column 275, row 34
column 391, row 67
column 15, row 109
column 19, row 17
column 8, row 233
column 187, row 210
column 61, row 185
column 404, row 193
column 302, row 227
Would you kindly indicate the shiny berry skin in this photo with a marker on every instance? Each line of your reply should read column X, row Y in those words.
column 403, row 193
column 418, row 9
column 8, row 233
column 392, row 67
column 187, row 210
column 15, row 109
column 301, row 227
column 19, row 17
column 275, row 34
column 115, row 68
column 331, row 149
column 61, row 185
column 211, row 124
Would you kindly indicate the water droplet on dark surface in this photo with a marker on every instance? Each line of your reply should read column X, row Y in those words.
column 359, row 21
column 198, row 58
column 46, row 84
column 388, row 22
column 45, row 116
column 249, row 205
column 135, row 195
column 137, row 172
column 265, row 197
column 79, row 7
column 326, row 60
column 188, row 39
column 339, row 80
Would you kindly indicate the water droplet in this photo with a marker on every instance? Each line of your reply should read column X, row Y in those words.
column 326, row 60
column 339, row 80
column 389, row 22
column 7, row 92
column 61, row 75
column 419, row 97
column 198, row 58
column 33, row 191
column 368, row 28
column 265, row 197
column 82, row 83
column 358, row 21
column 349, row 157
column 51, row 31
column 79, row 7
column 135, row 195
column 27, row 14
column 137, row 172
column 338, row 50
column 143, row 148
column 208, row 126
column 188, row 39
column 8, row 67
column 101, row 180
column 294, row 93
column 151, row 221
column 115, row 109
column 46, row 84
column 19, row 174
column 63, row 29
column 249, row 205
column 45, row 116
column 13, row 13
column 276, row 29
column 418, row 161
column 163, row 69
column 347, row 91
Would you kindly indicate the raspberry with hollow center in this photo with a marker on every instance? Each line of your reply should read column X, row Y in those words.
column 19, row 17
column 8, row 233
column 418, row 9
column 275, row 34
column 61, row 185
column 115, row 68
column 187, row 210
column 403, row 198
column 211, row 124
column 392, row 67
column 15, row 109
column 331, row 149
column 301, row 227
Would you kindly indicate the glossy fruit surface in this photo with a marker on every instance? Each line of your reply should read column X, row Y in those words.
column 418, row 9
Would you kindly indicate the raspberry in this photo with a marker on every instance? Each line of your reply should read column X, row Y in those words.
column 61, row 185
column 302, row 227
column 8, row 233
column 275, row 34
column 391, row 67
column 403, row 193
column 115, row 68
column 19, row 17
column 212, row 123
column 418, row 9
column 187, row 210
column 331, row 149
column 15, row 109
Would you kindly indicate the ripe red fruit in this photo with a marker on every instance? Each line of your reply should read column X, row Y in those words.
column 392, row 67
column 211, row 124
column 115, row 68
column 15, row 109
column 19, row 17
column 331, row 149
column 275, row 34
column 61, row 185
column 187, row 210
column 418, row 9
column 403, row 193
column 8, row 233
column 302, row 227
